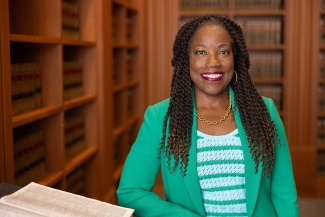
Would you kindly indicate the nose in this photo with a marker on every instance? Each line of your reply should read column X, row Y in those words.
column 212, row 61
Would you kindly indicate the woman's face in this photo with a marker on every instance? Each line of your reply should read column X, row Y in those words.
column 211, row 60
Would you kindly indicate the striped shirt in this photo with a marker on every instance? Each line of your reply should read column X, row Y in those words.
column 221, row 171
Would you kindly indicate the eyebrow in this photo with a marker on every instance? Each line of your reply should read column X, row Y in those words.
column 219, row 46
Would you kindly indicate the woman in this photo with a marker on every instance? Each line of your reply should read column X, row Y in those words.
column 221, row 147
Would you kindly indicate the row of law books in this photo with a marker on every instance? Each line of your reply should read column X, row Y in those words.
column 76, row 181
column 261, row 31
column 130, row 26
column 72, row 79
column 117, row 155
column 25, row 87
column 121, row 144
column 70, row 20
column 321, row 131
column 74, row 131
column 258, row 4
column 322, row 30
column 131, row 102
column 321, row 162
column 266, row 64
column 117, row 79
column 115, row 27
column 322, row 64
column 271, row 91
column 224, row 4
column 130, row 69
column 29, row 154
column 321, row 97
column 204, row 5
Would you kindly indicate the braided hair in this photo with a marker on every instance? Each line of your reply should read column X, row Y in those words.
column 260, row 129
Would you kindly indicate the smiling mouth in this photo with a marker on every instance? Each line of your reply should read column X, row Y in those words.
column 212, row 76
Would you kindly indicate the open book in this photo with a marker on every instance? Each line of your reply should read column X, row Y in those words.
column 36, row 200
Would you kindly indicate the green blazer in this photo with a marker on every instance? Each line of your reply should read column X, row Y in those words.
column 274, row 196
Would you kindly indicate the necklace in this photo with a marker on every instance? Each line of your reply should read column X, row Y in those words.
column 219, row 121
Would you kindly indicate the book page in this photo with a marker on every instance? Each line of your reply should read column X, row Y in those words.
column 10, row 211
column 52, row 202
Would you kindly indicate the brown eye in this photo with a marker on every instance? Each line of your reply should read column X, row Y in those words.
column 199, row 52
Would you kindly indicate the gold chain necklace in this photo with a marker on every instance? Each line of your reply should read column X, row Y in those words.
column 199, row 116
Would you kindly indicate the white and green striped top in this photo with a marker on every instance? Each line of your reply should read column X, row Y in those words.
column 221, row 171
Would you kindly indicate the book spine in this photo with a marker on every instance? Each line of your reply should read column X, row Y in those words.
column 76, row 181
column 29, row 156
column 26, row 87
column 261, row 31
column 74, row 134
column 271, row 91
column 70, row 21
column 266, row 64
column 72, row 80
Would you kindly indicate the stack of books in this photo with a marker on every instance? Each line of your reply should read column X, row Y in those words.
column 321, row 96
column 258, row 4
column 131, row 102
column 321, row 130
column 322, row 65
column 271, row 91
column 204, row 5
column 72, row 79
column 261, row 31
column 322, row 30
column 74, row 131
column 29, row 154
column 26, row 87
column 76, row 182
column 266, row 64
column 70, row 21
column 321, row 162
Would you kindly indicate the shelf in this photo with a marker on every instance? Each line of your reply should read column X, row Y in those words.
column 270, row 81
column 80, row 158
column 119, row 130
column 259, row 13
column 320, row 147
column 265, row 47
column 78, row 42
column 50, row 179
column 202, row 12
column 35, row 115
column 71, row 46
column 34, row 39
column 72, row 103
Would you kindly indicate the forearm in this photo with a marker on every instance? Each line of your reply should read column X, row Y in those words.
column 147, row 203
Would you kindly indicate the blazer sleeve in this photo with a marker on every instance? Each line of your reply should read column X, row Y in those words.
column 140, row 172
column 283, row 188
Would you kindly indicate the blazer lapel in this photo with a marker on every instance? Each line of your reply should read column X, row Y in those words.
column 252, row 179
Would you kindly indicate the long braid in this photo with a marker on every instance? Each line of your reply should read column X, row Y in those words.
column 256, row 120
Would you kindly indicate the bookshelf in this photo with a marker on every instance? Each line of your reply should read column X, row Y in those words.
column 318, row 84
column 62, row 107
column 127, row 76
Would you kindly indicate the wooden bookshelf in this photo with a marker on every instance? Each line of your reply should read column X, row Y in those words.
column 73, row 44
column 127, row 77
column 317, row 84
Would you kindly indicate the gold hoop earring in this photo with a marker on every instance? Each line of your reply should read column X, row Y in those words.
column 236, row 77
